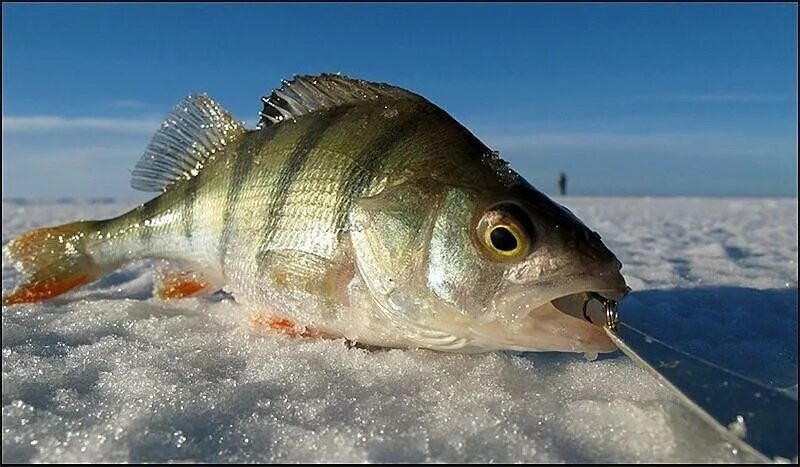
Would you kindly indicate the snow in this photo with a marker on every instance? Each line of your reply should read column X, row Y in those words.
column 110, row 374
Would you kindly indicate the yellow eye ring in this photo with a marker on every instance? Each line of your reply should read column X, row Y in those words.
column 503, row 237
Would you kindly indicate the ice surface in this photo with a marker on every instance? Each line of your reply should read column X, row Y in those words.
column 110, row 374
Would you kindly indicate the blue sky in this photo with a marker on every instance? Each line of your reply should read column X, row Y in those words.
column 627, row 99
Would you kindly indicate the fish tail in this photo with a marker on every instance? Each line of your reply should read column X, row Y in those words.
column 52, row 260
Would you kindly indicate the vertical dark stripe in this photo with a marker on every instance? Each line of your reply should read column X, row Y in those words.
column 146, row 212
column 368, row 165
column 190, row 188
column 288, row 176
column 243, row 160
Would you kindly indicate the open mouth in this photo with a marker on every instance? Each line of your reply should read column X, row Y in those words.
column 598, row 308
column 572, row 322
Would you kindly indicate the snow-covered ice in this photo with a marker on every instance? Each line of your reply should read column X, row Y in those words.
column 110, row 374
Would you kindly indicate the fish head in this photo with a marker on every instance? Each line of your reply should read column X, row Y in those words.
column 499, row 268
column 521, row 266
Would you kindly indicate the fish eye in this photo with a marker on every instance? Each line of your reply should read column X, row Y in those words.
column 505, row 232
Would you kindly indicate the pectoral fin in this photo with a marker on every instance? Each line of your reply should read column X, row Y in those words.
column 301, row 271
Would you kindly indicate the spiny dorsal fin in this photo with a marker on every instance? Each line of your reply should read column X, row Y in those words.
column 306, row 94
column 196, row 130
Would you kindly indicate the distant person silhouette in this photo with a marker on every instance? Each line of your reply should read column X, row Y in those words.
column 562, row 184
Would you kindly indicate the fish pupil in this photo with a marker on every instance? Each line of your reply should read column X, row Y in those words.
column 503, row 239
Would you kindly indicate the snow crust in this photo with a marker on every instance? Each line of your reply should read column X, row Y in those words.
column 108, row 373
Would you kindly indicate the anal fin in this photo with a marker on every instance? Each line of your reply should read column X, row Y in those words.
column 183, row 280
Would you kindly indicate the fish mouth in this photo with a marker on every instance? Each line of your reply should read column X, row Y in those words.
column 584, row 315
column 589, row 305
column 569, row 320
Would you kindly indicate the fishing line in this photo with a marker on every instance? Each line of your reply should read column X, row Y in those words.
column 753, row 417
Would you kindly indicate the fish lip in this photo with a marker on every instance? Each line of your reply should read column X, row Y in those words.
column 612, row 294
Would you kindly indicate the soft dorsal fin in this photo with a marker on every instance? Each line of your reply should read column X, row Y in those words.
column 306, row 94
column 196, row 130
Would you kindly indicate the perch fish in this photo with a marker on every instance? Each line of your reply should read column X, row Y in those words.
column 354, row 209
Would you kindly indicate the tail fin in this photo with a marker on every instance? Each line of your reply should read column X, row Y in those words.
column 52, row 261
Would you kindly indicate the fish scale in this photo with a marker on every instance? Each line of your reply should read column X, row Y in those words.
column 288, row 207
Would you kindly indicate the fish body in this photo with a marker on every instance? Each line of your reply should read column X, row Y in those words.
column 356, row 209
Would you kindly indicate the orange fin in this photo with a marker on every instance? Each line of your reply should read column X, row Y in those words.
column 286, row 326
column 181, row 279
column 183, row 285
column 52, row 260
column 37, row 291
